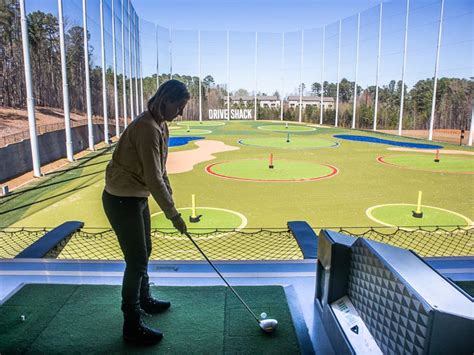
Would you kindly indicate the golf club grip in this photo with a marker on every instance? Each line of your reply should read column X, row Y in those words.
column 222, row 277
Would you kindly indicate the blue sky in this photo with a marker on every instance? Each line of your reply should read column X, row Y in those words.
column 271, row 18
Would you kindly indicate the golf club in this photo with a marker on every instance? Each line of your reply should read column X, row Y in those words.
column 267, row 325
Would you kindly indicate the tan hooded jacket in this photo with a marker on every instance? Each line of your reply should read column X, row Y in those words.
column 138, row 164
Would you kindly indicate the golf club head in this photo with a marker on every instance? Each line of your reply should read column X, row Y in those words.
column 268, row 325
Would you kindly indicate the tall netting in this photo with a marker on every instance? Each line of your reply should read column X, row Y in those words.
column 95, row 65
column 74, row 42
column 394, row 60
column 367, row 68
column 12, row 87
column 391, row 62
column 348, row 62
column 164, row 54
column 148, row 47
column 185, row 56
column 109, row 69
column 269, row 79
column 213, row 68
column 420, row 63
column 243, row 77
column 126, row 62
column 118, row 70
column 45, row 58
column 311, row 74
column 292, row 72
column 455, row 89
column 331, row 55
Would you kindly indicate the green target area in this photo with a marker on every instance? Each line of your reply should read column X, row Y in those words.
column 292, row 142
column 401, row 215
column 200, row 124
column 286, row 128
column 446, row 164
column 182, row 131
column 283, row 170
column 210, row 220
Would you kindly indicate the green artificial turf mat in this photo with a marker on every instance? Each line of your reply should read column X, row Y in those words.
column 211, row 220
column 258, row 169
column 39, row 304
column 401, row 215
column 87, row 319
column 41, row 295
column 241, row 327
column 296, row 142
column 200, row 124
column 284, row 128
column 447, row 163
column 16, row 336
column 192, row 132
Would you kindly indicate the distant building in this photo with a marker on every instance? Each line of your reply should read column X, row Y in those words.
column 294, row 101
column 263, row 101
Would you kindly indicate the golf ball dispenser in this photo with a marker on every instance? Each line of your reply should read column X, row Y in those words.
column 377, row 298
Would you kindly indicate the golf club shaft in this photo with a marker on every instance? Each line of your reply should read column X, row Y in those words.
column 222, row 277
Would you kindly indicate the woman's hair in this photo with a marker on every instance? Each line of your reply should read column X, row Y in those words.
column 171, row 91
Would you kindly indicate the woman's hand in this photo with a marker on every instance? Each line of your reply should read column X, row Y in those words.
column 179, row 224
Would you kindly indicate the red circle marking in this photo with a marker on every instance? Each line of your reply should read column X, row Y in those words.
column 381, row 160
column 208, row 168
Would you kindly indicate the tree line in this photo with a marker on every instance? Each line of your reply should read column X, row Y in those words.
column 453, row 104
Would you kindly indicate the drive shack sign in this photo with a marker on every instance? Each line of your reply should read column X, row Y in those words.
column 234, row 114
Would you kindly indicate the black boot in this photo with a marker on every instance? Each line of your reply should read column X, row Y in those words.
column 134, row 330
column 147, row 302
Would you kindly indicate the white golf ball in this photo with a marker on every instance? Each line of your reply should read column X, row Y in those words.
column 263, row 315
column 23, row 318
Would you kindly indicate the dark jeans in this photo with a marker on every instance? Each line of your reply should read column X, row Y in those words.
column 130, row 220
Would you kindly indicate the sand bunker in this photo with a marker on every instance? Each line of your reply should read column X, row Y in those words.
column 180, row 162
column 432, row 151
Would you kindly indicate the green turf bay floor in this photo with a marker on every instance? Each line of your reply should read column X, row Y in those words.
column 87, row 319
column 342, row 200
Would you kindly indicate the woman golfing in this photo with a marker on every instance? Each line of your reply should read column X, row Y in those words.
column 136, row 170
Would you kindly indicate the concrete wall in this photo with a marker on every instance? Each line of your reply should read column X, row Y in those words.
column 15, row 159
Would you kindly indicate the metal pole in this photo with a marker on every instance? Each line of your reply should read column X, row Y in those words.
column 301, row 76
column 433, row 105
column 90, row 127
column 200, row 81
column 30, row 103
column 354, row 106
column 130, row 59
column 67, row 118
column 114, row 53
column 256, row 61
column 402, row 98
column 228, row 78
column 157, row 59
column 321, row 110
column 338, row 70
column 104, row 83
column 171, row 54
column 471, row 129
column 141, row 64
column 124, row 73
column 137, row 59
column 282, row 74
column 377, row 71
